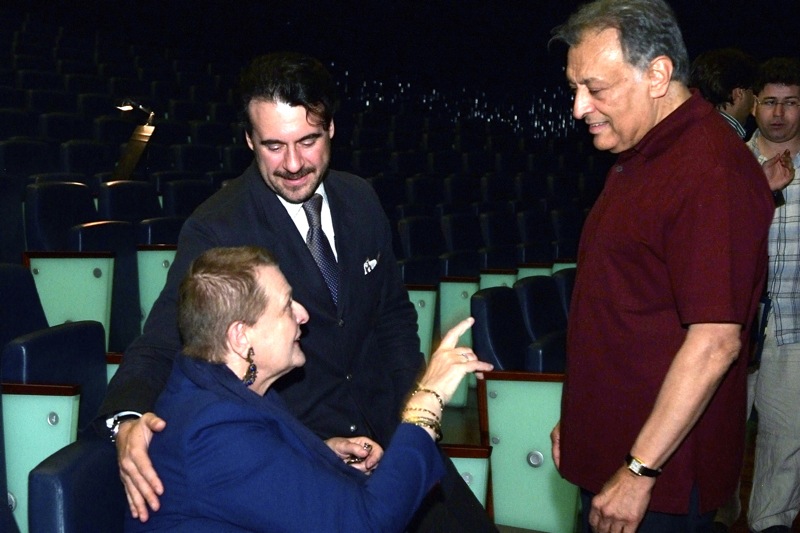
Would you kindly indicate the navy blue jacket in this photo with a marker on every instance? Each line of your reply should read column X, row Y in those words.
column 232, row 460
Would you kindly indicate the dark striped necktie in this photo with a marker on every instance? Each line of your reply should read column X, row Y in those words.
column 320, row 247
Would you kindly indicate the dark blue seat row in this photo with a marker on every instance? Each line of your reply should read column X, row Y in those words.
column 524, row 327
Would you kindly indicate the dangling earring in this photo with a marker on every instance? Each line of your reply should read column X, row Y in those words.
column 252, row 372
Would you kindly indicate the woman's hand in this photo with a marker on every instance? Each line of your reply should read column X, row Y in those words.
column 361, row 453
column 449, row 364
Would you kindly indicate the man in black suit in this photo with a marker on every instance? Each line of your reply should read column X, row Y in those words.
column 361, row 344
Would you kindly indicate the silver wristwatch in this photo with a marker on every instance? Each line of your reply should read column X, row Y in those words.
column 113, row 423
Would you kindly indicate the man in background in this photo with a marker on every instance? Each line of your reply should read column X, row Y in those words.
column 775, row 496
column 725, row 78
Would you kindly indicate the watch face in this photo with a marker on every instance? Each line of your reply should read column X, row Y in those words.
column 635, row 466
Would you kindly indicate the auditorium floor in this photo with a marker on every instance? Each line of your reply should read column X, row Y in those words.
column 460, row 425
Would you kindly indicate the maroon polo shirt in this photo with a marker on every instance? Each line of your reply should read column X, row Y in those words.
column 677, row 237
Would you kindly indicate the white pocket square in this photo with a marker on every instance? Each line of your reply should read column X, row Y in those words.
column 370, row 264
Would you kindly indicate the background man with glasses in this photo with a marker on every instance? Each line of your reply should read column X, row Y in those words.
column 775, row 496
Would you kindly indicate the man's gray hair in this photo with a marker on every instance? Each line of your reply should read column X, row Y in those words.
column 647, row 29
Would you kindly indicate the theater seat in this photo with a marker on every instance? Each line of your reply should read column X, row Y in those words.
column 517, row 411
column 51, row 209
column 78, row 490
column 157, row 241
column 72, row 354
column 541, row 305
column 181, row 197
column 119, row 238
column 54, row 379
column 499, row 335
column 565, row 280
column 128, row 200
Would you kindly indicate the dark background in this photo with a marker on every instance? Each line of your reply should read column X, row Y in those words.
column 496, row 46
column 499, row 46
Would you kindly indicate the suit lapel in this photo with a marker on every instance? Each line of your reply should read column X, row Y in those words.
column 343, row 217
column 294, row 257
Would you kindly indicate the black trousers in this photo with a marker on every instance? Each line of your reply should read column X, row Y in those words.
column 451, row 507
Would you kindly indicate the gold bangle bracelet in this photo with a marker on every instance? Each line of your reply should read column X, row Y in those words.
column 423, row 410
column 429, row 391
column 426, row 423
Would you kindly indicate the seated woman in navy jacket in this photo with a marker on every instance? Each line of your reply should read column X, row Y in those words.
column 232, row 458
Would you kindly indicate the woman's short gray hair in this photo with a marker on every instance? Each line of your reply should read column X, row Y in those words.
column 220, row 288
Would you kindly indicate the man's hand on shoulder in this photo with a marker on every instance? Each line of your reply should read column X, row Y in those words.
column 142, row 484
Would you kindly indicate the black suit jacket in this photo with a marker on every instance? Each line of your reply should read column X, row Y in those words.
column 362, row 357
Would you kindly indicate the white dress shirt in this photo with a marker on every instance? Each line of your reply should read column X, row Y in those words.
column 300, row 219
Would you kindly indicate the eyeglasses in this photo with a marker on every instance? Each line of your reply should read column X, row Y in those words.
column 771, row 103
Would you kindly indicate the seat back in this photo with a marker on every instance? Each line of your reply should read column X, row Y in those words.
column 128, row 200
column 541, row 305
column 51, row 209
column 464, row 263
column 160, row 177
column 15, row 121
column 517, row 411
column 498, row 335
column 495, row 186
column 460, row 190
column 535, row 225
column 72, row 354
column 236, row 158
column 567, row 226
column 548, row 353
column 21, row 311
column 118, row 237
column 112, row 129
column 77, row 490
column 22, row 157
column 159, row 230
column 87, row 156
column 62, row 126
column 419, row 270
column 472, row 463
column 565, row 280
column 420, row 236
column 499, row 228
column 7, row 522
column 181, row 197
column 462, row 231
column 196, row 157
column 423, row 297
column 211, row 133
column 424, row 189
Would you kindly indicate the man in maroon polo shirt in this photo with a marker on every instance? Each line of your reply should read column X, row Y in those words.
column 671, row 265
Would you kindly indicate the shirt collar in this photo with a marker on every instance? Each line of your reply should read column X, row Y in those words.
column 735, row 124
column 295, row 209
column 654, row 141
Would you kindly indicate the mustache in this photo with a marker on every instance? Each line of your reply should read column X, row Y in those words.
column 295, row 175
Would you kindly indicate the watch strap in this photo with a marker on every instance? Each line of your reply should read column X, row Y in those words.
column 639, row 468
column 113, row 423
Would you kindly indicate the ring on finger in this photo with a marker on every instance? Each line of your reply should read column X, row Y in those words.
column 465, row 355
